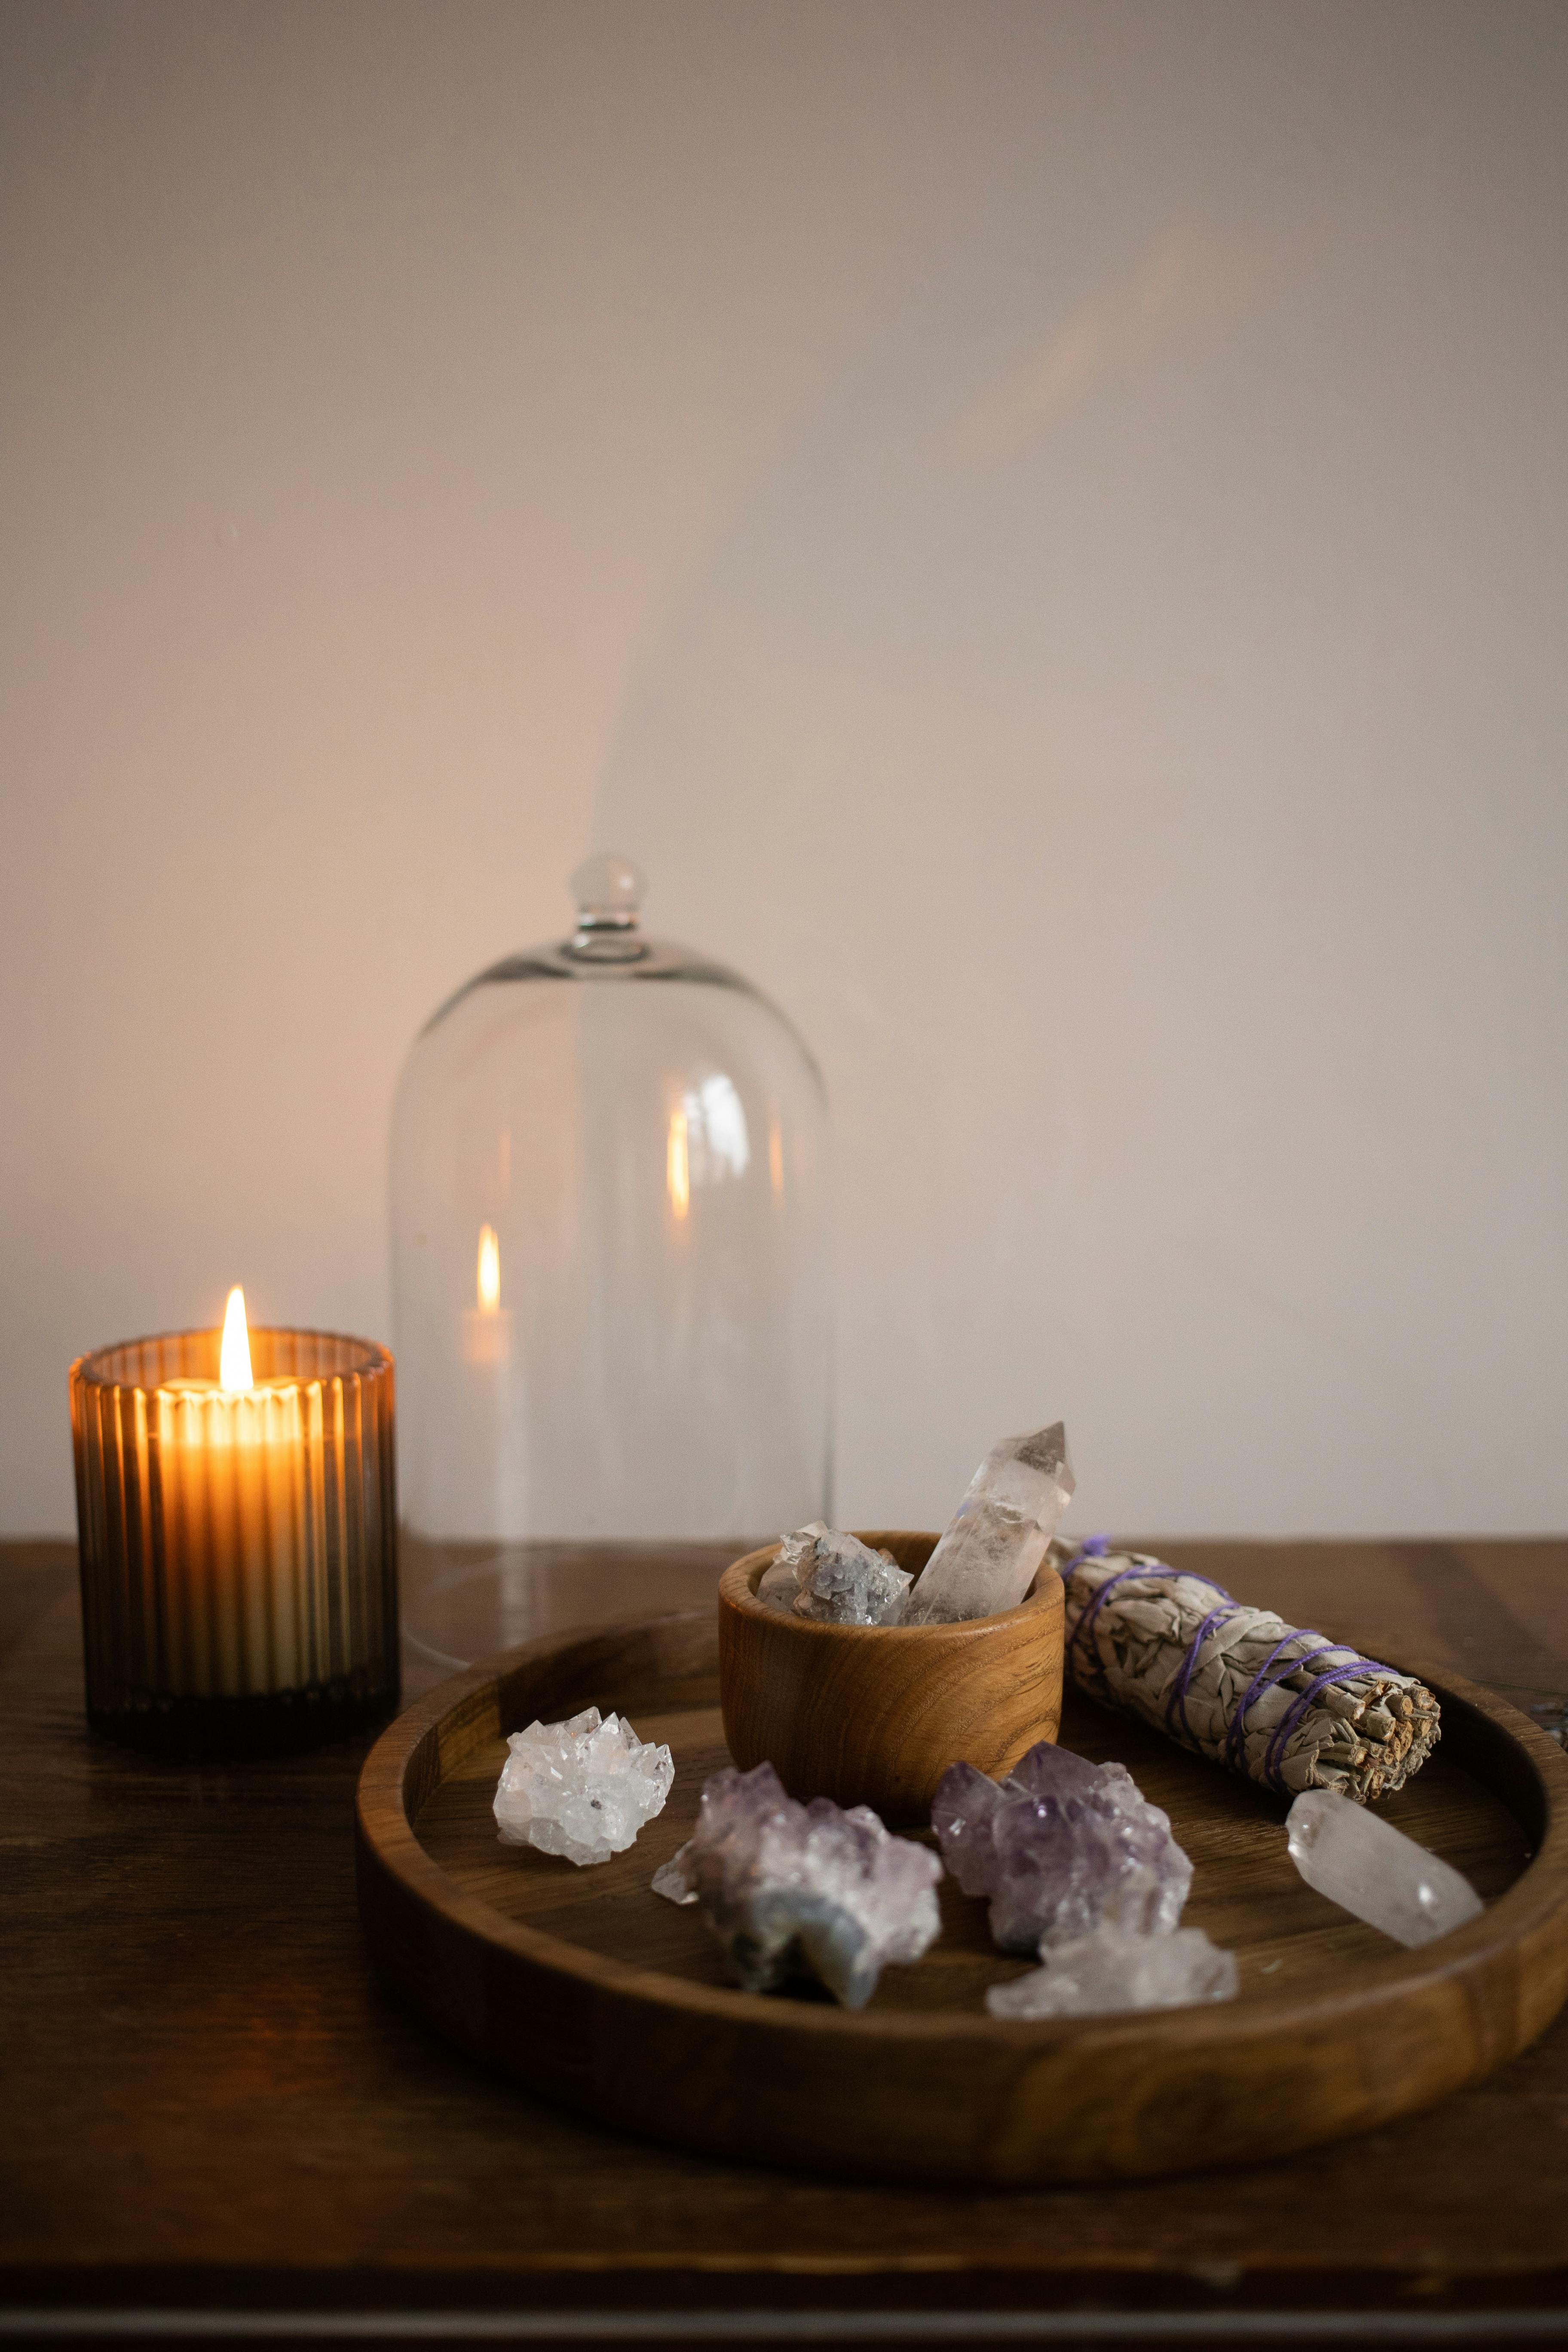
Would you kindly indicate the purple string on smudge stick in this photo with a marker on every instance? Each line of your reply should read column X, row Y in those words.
column 1092, row 1609
column 1178, row 1698
column 1355, row 1668
column 1095, row 1548
column 1263, row 1680
column 1096, row 1551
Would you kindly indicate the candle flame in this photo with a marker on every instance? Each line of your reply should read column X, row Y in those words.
column 490, row 1270
column 234, row 1362
column 677, row 1162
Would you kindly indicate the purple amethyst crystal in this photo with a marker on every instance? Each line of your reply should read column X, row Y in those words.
column 961, row 1814
column 790, row 1889
column 1061, row 1847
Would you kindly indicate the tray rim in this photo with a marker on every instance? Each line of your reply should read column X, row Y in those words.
column 1537, row 1901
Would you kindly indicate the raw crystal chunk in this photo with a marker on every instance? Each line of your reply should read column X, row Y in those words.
column 1368, row 1866
column 1059, row 1846
column 963, row 1814
column 834, row 1577
column 583, row 1788
column 789, row 1889
column 780, row 1579
column 776, row 1588
column 1086, row 1976
column 987, row 1560
column 670, row 1880
column 844, row 1582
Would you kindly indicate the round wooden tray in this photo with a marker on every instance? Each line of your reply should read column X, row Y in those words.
column 596, row 1992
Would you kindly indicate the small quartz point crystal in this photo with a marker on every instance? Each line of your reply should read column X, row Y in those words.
column 581, row 1789
column 987, row 1560
column 670, row 1880
column 792, row 1889
column 1060, row 1846
column 1115, row 1969
column 832, row 1577
column 1368, row 1866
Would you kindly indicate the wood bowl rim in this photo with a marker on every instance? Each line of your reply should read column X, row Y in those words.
column 1535, row 1905
column 738, row 1591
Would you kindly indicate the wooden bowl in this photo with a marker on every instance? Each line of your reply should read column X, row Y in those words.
column 873, row 1714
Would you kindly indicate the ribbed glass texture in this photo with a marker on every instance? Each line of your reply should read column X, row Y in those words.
column 238, row 1550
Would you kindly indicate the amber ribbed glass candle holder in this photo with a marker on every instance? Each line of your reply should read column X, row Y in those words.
column 238, row 1548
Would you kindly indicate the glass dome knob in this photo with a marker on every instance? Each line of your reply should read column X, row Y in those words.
column 608, row 889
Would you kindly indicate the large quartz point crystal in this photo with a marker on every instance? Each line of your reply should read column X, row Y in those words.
column 583, row 1788
column 987, row 1560
column 1368, row 1866
column 790, row 1889
column 1059, row 1846
column 1088, row 1976
column 822, row 1573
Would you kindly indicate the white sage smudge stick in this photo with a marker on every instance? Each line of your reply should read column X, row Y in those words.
column 1287, row 1708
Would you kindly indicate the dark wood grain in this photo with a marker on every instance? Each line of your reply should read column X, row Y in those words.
column 207, row 2098
column 873, row 1714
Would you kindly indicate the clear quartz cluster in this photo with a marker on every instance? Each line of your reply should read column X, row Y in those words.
column 1369, row 1867
column 1114, row 1968
column 832, row 1577
column 789, row 1889
column 1059, row 1847
column 987, row 1560
column 581, row 1789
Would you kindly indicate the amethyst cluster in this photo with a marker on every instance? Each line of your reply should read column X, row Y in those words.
column 1062, row 1847
column 794, row 1890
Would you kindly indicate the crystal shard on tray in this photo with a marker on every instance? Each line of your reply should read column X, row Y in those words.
column 581, row 1789
column 670, row 1880
column 987, row 1560
column 792, row 1889
column 1112, row 1969
column 1369, row 1867
column 1059, row 1846
column 835, row 1578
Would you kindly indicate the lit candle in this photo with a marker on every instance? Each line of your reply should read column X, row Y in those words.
column 235, row 1460
column 237, row 1536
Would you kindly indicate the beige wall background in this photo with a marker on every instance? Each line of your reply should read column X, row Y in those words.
column 1042, row 526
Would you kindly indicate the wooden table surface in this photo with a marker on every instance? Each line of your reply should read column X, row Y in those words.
column 215, row 2122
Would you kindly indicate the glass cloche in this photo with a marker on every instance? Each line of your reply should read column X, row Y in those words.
column 610, row 1272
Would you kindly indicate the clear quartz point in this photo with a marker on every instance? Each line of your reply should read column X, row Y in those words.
column 1370, row 1868
column 989, row 1555
column 1114, row 1968
column 581, row 1789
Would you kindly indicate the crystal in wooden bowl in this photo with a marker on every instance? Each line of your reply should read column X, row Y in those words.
column 873, row 1714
